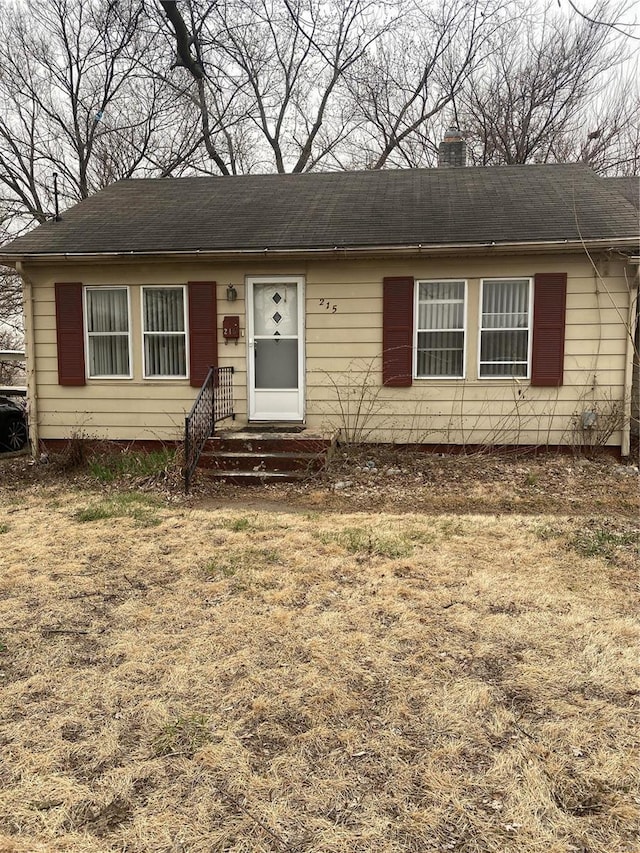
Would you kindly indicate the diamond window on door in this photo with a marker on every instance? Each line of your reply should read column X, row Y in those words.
column 280, row 323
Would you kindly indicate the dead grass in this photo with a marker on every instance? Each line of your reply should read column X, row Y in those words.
column 225, row 679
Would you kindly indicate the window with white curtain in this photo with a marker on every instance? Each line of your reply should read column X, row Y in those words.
column 440, row 329
column 505, row 328
column 164, row 332
column 108, row 326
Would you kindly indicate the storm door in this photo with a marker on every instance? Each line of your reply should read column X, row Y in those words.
column 275, row 323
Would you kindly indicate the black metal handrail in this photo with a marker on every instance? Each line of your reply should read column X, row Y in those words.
column 214, row 403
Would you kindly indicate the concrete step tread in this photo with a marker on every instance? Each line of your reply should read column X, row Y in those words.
column 262, row 454
column 250, row 435
column 252, row 476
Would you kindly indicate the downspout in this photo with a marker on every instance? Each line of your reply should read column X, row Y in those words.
column 30, row 350
column 625, row 445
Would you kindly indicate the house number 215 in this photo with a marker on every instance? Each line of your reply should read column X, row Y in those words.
column 330, row 306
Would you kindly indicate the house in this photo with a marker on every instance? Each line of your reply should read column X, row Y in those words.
column 458, row 306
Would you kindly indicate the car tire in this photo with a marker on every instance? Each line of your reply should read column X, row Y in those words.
column 15, row 437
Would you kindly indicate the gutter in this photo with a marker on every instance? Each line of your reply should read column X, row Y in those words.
column 426, row 249
column 32, row 385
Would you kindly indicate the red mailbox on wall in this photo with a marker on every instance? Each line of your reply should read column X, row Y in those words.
column 231, row 328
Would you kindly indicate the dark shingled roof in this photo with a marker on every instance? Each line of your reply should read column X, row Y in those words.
column 628, row 187
column 432, row 207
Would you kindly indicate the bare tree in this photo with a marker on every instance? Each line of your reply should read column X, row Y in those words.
column 76, row 100
column 402, row 89
column 11, row 372
column 305, row 84
column 610, row 137
column 10, row 304
column 11, row 331
column 96, row 91
column 619, row 20
column 272, row 94
column 10, row 301
column 543, row 81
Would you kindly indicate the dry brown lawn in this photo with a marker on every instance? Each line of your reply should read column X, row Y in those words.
column 221, row 674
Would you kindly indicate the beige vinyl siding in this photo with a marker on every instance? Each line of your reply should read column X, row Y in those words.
column 121, row 409
column 343, row 350
column 469, row 411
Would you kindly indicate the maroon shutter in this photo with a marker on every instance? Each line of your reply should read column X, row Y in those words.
column 549, row 308
column 397, row 331
column 203, row 327
column 70, row 333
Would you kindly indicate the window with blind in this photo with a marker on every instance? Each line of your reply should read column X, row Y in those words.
column 164, row 332
column 440, row 329
column 505, row 330
column 108, row 332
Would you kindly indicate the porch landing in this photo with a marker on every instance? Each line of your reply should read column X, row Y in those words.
column 263, row 453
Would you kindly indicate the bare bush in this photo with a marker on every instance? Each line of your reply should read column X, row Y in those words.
column 593, row 426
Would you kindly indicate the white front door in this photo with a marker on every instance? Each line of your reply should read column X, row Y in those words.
column 275, row 366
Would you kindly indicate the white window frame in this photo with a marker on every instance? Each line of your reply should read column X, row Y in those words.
column 88, row 334
column 185, row 333
column 417, row 329
column 528, row 329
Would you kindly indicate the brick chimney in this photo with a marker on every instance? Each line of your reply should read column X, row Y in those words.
column 452, row 150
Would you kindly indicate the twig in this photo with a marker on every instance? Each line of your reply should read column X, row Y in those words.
column 176, row 754
column 524, row 731
column 137, row 585
column 62, row 631
column 44, row 805
column 90, row 594
column 279, row 841
column 402, row 576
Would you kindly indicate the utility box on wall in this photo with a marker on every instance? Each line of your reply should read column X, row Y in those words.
column 231, row 328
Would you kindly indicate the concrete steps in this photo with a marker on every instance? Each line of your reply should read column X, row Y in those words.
column 255, row 456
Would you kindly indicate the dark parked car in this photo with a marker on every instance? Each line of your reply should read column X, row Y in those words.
column 13, row 425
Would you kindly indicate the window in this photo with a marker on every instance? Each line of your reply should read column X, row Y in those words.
column 107, row 323
column 165, row 342
column 505, row 328
column 440, row 329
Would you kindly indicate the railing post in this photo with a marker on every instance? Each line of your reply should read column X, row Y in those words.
column 214, row 380
column 187, row 476
column 232, row 370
